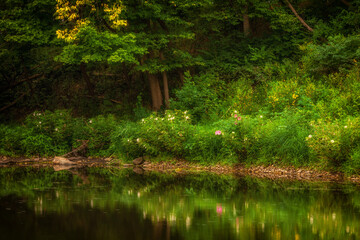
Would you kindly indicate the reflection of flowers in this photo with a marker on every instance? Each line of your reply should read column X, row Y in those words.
column 219, row 209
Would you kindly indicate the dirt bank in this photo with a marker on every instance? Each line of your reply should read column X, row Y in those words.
column 181, row 166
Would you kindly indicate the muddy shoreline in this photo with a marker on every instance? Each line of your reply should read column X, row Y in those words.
column 181, row 166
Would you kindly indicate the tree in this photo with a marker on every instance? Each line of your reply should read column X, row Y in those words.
column 149, row 35
column 27, row 33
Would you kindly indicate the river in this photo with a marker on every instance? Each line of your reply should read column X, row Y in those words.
column 115, row 203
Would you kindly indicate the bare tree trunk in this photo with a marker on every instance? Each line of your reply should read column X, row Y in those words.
column 298, row 17
column 90, row 86
column 246, row 23
column 181, row 75
column 155, row 91
column 166, row 85
column 166, row 90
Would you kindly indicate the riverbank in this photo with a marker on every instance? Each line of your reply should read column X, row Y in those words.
column 184, row 167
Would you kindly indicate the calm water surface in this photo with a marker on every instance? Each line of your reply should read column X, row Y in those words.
column 99, row 203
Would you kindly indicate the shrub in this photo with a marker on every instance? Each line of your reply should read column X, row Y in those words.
column 156, row 134
column 201, row 96
column 98, row 131
column 211, row 142
column 333, row 141
column 245, row 98
column 338, row 52
column 283, row 94
column 282, row 139
column 56, row 133
column 352, row 165
column 10, row 141
column 51, row 131
column 124, row 141
column 38, row 144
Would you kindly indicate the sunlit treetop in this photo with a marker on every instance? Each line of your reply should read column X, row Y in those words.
column 80, row 13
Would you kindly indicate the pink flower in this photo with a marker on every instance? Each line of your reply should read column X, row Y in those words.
column 218, row 132
column 239, row 118
column 235, row 123
column 235, row 116
column 219, row 209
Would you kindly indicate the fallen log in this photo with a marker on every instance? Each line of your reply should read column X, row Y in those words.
column 79, row 151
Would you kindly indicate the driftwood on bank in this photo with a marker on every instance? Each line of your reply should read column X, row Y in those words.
column 79, row 151
column 63, row 161
column 138, row 161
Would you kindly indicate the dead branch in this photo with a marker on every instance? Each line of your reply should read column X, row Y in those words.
column 14, row 102
column 298, row 17
column 79, row 150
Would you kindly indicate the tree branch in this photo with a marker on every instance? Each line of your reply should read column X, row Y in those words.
column 35, row 76
column 108, row 26
column 14, row 102
column 346, row 3
column 298, row 17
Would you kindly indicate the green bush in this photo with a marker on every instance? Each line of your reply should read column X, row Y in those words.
column 154, row 135
column 352, row 165
column 98, row 132
column 201, row 96
column 123, row 141
column 338, row 52
column 56, row 133
column 38, row 145
column 333, row 142
column 10, row 140
column 281, row 139
column 210, row 143
column 283, row 94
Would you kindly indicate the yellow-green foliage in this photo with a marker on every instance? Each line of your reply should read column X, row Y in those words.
column 283, row 94
column 334, row 141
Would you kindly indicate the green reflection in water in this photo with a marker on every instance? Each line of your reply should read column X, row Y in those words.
column 99, row 203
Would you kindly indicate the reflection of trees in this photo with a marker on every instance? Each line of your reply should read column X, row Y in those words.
column 193, row 205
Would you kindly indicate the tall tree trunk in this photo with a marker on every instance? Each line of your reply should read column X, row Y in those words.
column 181, row 75
column 166, row 90
column 156, row 96
column 246, row 22
column 298, row 17
column 90, row 86
column 166, row 85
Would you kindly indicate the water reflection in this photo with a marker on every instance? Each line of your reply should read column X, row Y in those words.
column 98, row 203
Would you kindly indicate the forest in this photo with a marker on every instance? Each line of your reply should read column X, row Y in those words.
column 208, row 81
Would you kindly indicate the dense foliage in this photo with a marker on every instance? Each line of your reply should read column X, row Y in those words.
column 232, row 81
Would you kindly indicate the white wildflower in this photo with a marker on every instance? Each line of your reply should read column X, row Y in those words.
column 310, row 136
column 39, row 122
column 345, row 126
column 235, row 111
column 56, row 129
column 261, row 116
column 332, row 141
column 187, row 117
column 138, row 139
